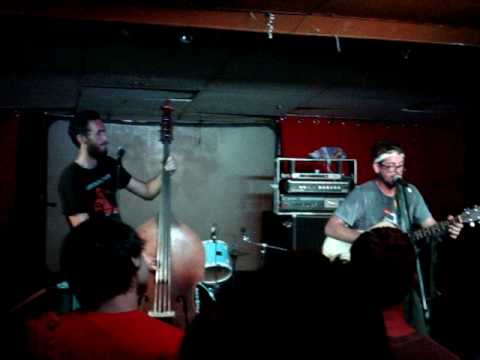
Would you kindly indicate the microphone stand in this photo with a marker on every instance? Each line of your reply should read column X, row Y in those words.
column 423, row 298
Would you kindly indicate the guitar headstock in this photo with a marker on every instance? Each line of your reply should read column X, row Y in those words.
column 470, row 215
column 166, row 132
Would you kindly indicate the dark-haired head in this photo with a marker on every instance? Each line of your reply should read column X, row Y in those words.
column 96, row 260
column 384, row 259
column 79, row 124
column 383, row 147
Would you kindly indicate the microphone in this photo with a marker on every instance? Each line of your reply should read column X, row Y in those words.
column 397, row 179
column 120, row 153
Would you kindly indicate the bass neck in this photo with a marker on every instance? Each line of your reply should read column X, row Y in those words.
column 166, row 204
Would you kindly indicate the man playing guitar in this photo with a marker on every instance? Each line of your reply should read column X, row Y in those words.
column 376, row 201
column 385, row 199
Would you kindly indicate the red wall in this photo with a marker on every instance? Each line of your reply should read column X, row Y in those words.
column 8, row 149
column 435, row 152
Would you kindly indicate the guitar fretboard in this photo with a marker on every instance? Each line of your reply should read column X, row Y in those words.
column 435, row 230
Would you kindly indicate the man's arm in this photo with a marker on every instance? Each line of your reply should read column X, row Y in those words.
column 150, row 189
column 429, row 222
column 337, row 229
column 146, row 190
column 72, row 198
column 77, row 219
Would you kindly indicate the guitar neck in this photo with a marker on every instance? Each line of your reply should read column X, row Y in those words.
column 438, row 229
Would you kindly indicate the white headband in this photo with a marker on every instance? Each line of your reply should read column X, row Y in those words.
column 387, row 154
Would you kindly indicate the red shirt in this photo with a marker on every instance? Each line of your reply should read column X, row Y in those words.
column 96, row 335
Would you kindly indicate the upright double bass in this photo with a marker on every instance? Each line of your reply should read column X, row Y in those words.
column 177, row 250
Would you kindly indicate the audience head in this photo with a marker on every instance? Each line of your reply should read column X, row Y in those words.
column 299, row 303
column 384, row 259
column 101, row 259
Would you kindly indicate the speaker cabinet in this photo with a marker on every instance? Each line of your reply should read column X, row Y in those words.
column 294, row 232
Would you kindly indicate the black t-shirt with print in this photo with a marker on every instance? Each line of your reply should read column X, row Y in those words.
column 92, row 191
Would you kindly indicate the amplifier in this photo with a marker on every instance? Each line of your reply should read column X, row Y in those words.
column 317, row 176
column 292, row 203
column 318, row 186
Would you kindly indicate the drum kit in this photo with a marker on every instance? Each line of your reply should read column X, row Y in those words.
column 218, row 259
column 220, row 266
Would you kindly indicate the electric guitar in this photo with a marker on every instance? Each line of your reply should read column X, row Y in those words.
column 333, row 248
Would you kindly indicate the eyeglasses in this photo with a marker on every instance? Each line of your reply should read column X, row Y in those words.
column 391, row 167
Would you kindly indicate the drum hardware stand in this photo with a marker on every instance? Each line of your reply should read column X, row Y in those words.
column 211, row 289
column 263, row 246
column 213, row 232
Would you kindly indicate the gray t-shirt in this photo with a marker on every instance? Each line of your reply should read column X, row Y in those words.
column 366, row 206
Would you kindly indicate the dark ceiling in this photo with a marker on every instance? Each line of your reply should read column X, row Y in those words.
column 390, row 60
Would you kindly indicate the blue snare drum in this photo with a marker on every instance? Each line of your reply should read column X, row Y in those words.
column 218, row 266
